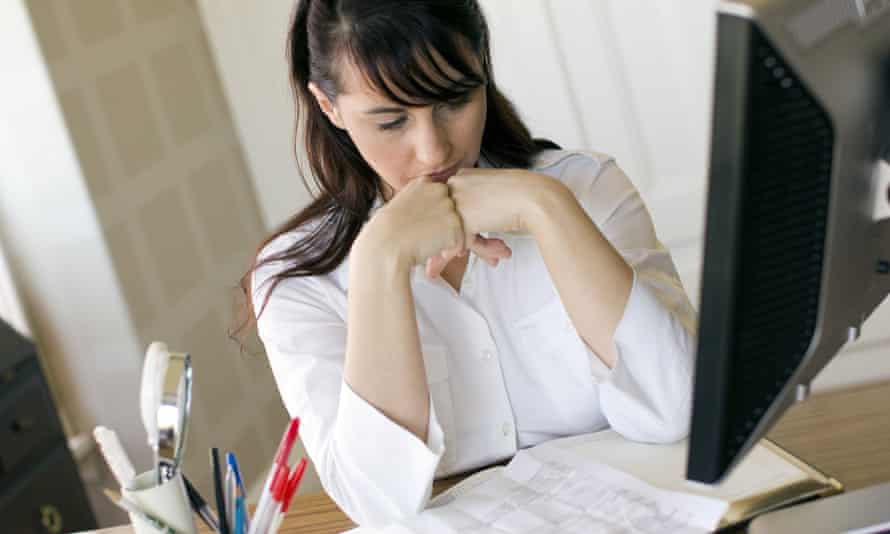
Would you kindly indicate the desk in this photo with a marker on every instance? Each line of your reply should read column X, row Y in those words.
column 846, row 434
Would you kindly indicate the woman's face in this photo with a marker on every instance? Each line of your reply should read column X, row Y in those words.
column 401, row 143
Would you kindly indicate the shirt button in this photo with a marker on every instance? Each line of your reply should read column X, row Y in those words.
column 506, row 428
column 487, row 354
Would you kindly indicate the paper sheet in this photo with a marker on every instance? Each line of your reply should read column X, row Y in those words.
column 550, row 490
column 664, row 465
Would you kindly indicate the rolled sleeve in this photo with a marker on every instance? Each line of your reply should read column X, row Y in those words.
column 375, row 470
column 646, row 395
column 397, row 465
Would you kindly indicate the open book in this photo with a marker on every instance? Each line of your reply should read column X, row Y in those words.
column 601, row 482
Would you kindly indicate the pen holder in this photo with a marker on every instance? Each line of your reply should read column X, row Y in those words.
column 167, row 501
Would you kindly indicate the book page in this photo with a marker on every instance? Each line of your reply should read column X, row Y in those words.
column 551, row 490
column 664, row 466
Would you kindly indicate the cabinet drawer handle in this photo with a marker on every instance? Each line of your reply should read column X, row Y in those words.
column 51, row 519
column 7, row 376
column 23, row 424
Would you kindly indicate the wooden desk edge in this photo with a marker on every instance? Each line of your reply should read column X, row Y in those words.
column 845, row 434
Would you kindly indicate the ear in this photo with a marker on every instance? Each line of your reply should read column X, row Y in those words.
column 327, row 107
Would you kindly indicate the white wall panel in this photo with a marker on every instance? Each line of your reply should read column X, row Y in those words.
column 596, row 78
column 667, row 56
column 528, row 68
column 11, row 310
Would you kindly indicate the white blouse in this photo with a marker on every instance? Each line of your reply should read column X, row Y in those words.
column 506, row 368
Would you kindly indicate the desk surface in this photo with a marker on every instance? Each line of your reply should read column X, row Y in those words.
column 845, row 434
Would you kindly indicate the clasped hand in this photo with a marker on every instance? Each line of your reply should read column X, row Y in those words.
column 432, row 222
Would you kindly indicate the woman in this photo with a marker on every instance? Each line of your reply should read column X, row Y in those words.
column 407, row 358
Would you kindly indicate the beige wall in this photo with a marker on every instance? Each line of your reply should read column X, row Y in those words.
column 160, row 177
column 247, row 41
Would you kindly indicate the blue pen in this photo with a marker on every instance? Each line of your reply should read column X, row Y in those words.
column 239, row 515
column 233, row 463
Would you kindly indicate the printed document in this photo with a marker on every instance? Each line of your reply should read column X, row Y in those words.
column 548, row 490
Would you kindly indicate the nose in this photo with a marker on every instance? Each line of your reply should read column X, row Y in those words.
column 432, row 146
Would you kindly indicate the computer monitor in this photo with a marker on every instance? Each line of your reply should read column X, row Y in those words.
column 794, row 260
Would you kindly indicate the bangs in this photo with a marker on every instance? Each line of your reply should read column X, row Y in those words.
column 413, row 69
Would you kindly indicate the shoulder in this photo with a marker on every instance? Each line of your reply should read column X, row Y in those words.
column 559, row 160
column 286, row 240
column 577, row 169
column 271, row 260
column 595, row 179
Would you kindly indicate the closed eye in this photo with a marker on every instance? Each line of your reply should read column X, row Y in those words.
column 453, row 104
column 392, row 125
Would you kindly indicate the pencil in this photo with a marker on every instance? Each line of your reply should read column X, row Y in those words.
column 200, row 506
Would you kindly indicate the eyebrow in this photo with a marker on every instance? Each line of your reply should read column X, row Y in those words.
column 396, row 109
column 380, row 110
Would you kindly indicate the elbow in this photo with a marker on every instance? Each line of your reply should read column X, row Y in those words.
column 673, row 422
column 662, row 420
column 658, row 430
column 676, row 419
column 670, row 431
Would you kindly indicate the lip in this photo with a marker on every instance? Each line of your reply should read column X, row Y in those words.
column 442, row 176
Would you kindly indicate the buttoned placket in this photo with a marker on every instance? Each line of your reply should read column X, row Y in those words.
column 504, row 429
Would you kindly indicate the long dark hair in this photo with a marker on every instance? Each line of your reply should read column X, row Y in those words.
column 392, row 42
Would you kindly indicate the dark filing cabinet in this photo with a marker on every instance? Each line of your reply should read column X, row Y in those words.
column 40, row 488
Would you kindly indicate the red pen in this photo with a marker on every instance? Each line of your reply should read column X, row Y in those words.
column 287, row 441
column 271, row 515
column 277, row 477
column 291, row 489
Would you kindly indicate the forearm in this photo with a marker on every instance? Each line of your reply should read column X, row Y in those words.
column 383, row 363
column 592, row 278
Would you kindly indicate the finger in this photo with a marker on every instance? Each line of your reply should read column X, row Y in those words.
column 449, row 254
column 437, row 263
column 491, row 247
column 490, row 250
column 434, row 266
